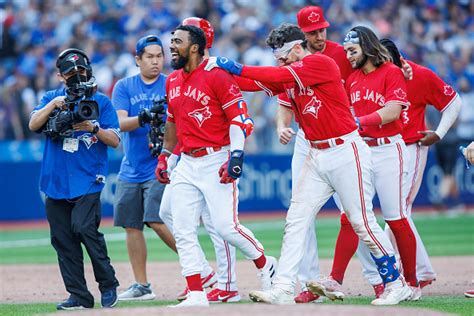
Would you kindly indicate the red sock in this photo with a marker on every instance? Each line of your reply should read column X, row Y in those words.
column 346, row 246
column 260, row 262
column 194, row 282
column 406, row 243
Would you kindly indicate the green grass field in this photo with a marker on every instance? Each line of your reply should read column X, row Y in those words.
column 443, row 236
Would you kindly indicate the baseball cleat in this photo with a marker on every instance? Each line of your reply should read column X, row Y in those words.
column 206, row 282
column 378, row 289
column 424, row 283
column 275, row 295
column 307, row 297
column 267, row 273
column 222, row 296
column 193, row 298
column 326, row 287
column 395, row 292
column 469, row 294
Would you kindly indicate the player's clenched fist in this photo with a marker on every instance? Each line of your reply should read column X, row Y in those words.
column 161, row 171
column 285, row 135
column 232, row 168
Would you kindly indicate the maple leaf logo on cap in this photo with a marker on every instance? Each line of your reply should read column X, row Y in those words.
column 313, row 17
column 448, row 90
column 399, row 93
column 234, row 89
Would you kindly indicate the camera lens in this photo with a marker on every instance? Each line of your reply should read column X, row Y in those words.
column 86, row 111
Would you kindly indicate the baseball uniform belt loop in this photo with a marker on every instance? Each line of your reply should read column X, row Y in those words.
column 202, row 151
column 328, row 143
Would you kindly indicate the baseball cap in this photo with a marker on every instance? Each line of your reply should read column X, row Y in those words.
column 72, row 60
column 311, row 18
column 146, row 41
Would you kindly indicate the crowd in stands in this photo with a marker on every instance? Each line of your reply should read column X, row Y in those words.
column 436, row 33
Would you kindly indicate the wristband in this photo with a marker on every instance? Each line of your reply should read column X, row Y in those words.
column 370, row 119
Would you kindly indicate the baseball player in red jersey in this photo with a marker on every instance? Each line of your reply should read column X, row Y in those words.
column 425, row 88
column 339, row 160
column 226, row 289
column 312, row 22
column 378, row 93
column 207, row 114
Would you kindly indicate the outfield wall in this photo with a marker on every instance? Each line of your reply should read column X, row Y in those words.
column 265, row 185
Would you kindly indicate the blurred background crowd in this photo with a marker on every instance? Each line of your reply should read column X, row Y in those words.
column 436, row 33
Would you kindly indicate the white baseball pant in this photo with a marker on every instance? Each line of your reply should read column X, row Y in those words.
column 309, row 266
column 196, row 185
column 225, row 253
column 345, row 169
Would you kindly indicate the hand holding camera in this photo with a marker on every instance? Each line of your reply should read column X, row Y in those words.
column 144, row 117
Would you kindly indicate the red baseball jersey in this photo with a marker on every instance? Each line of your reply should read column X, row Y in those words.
column 425, row 88
column 202, row 104
column 371, row 92
column 337, row 53
column 316, row 92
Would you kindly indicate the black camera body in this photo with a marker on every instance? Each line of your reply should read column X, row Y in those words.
column 157, row 127
column 78, row 109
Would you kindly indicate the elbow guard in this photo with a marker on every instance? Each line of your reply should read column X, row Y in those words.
column 243, row 120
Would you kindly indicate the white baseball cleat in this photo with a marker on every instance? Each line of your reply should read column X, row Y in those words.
column 193, row 299
column 326, row 287
column 275, row 295
column 268, row 273
column 395, row 292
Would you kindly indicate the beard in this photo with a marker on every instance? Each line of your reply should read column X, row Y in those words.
column 361, row 62
column 180, row 62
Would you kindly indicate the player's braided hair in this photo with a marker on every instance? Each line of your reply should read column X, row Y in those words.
column 371, row 46
column 285, row 33
column 196, row 36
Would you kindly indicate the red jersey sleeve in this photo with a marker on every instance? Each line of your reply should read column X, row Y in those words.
column 438, row 93
column 228, row 93
column 283, row 100
column 246, row 84
column 395, row 87
column 314, row 69
column 169, row 110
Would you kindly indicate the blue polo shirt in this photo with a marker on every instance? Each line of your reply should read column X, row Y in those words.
column 66, row 175
column 131, row 94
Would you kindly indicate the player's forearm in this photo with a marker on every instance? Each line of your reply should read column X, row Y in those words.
column 390, row 113
column 449, row 116
column 283, row 117
column 267, row 74
column 170, row 138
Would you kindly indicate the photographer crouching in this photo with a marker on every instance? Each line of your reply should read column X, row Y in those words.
column 79, row 123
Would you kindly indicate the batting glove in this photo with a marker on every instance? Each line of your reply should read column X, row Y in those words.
column 225, row 63
column 231, row 170
column 161, row 171
column 144, row 117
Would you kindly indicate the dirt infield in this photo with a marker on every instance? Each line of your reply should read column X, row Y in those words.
column 42, row 283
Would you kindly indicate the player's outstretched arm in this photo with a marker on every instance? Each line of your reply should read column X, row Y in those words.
column 283, row 122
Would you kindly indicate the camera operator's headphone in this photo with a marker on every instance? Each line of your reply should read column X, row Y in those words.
column 68, row 51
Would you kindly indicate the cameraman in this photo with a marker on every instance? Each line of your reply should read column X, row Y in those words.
column 138, row 193
column 72, row 176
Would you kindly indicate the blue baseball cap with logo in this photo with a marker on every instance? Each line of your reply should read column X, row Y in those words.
column 146, row 41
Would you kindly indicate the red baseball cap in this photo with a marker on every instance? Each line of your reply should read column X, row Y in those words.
column 204, row 25
column 311, row 18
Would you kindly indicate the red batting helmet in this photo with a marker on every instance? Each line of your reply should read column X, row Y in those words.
column 204, row 25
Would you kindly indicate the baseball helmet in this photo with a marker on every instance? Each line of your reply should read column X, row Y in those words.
column 204, row 25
